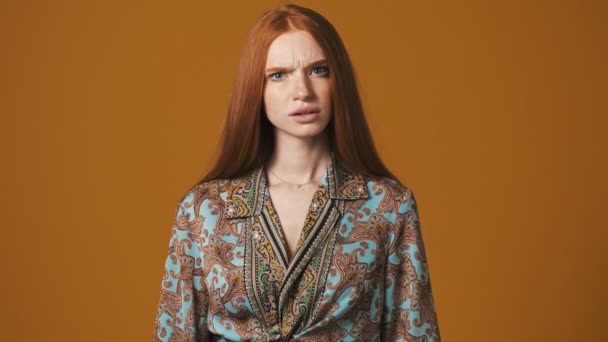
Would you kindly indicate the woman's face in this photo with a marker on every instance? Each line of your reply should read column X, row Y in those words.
column 296, row 80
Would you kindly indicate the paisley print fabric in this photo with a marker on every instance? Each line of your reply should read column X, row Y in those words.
column 359, row 272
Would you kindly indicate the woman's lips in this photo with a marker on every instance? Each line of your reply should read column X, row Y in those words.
column 305, row 117
column 296, row 114
column 304, row 111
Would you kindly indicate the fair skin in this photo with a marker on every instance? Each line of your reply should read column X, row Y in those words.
column 296, row 77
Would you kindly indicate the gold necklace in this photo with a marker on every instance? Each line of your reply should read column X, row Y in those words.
column 298, row 185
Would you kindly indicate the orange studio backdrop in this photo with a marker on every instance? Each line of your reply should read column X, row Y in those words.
column 493, row 112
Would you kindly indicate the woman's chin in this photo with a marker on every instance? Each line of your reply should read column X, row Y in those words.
column 303, row 131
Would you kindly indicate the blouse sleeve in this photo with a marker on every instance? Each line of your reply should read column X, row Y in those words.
column 181, row 312
column 409, row 312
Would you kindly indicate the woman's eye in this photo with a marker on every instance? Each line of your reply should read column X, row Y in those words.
column 273, row 76
column 320, row 70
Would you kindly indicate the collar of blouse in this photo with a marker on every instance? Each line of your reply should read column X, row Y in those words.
column 245, row 196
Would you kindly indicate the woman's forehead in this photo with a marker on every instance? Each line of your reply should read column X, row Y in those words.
column 294, row 48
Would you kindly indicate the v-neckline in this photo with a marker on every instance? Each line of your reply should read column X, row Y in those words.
column 278, row 226
column 278, row 282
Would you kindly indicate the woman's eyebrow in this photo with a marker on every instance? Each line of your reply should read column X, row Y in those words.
column 315, row 63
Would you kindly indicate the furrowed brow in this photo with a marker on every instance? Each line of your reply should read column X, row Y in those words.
column 313, row 64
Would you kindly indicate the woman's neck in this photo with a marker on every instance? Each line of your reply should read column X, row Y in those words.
column 298, row 161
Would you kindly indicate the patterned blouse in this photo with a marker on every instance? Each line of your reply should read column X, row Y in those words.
column 359, row 272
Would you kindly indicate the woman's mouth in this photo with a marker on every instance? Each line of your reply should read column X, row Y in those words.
column 305, row 111
column 305, row 117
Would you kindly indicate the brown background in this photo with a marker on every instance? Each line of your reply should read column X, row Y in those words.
column 494, row 112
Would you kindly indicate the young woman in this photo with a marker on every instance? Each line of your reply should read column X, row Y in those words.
column 298, row 232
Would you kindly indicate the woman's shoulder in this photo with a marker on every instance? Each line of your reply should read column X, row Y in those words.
column 213, row 190
column 390, row 196
column 389, row 187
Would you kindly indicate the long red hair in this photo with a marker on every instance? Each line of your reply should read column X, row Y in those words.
column 247, row 139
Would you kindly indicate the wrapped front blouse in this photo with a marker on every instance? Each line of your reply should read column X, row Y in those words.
column 359, row 272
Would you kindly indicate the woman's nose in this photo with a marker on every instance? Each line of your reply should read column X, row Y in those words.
column 302, row 86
